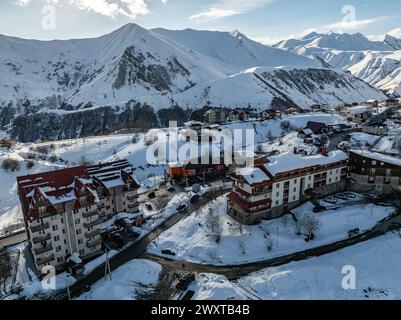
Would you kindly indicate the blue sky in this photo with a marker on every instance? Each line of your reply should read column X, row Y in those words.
column 266, row 20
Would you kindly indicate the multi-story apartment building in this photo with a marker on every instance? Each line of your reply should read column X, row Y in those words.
column 215, row 116
column 283, row 182
column 63, row 209
column 374, row 172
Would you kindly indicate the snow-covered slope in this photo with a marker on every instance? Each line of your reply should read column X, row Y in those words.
column 282, row 87
column 375, row 60
column 235, row 49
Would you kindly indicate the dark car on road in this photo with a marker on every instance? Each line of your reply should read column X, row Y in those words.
column 168, row 252
column 182, row 208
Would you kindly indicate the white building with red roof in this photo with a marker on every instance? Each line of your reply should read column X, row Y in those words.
column 283, row 182
column 63, row 209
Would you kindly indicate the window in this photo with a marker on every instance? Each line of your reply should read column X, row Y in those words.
column 294, row 190
column 80, row 241
column 58, row 248
column 79, row 231
column 65, row 241
column 310, row 178
column 77, row 221
column 55, row 227
column 56, row 238
column 294, row 198
column 374, row 163
column 42, row 210
column 277, row 194
column 388, row 172
column 372, row 172
column 277, row 203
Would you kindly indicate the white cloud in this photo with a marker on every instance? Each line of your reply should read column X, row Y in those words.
column 227, row 8
column 345, row 25
column 110, row 8
column 22, row 3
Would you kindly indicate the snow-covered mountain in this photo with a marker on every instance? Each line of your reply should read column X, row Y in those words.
column 65, row 89
column 235, row 49
column 375, row 60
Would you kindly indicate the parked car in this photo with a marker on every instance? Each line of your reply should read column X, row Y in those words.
column 370, row 196
column 341, row 196
column 170, row 188
column 168, row 252
column 149, row 206
column 182, row 208
column 331, row 200
column 152, row 195
column 350, row 195
column 353, row 232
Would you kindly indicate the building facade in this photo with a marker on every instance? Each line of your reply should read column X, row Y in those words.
column 374, row 172
column 286, row 180
column 63, row 209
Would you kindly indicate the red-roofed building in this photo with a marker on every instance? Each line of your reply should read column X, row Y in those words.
column 63, row 209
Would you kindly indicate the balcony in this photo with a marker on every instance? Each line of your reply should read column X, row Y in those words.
column 94, row 243
column 92, row 233
column 44, row 260
column 131, row 198
column 39, row 227
column 90, row 213
column 44, row 249
column 41, row 238
column 92, row 223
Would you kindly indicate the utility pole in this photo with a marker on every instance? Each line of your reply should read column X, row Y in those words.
column 107, row 268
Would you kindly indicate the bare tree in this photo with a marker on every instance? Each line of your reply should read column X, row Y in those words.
column 214, row 225
column 5, row 268
column 311, row 226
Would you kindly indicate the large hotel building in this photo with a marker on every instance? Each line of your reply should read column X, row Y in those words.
column 63, row 209
column 282, row 182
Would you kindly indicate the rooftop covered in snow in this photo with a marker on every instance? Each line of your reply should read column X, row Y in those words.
column 287, row 162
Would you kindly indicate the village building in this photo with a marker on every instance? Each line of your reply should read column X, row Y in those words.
column 374, row 172
column 359, row 113
column 63, row 209
column 269, row 114
column 215, row 116
column 237, row 115
column 269, row 190
column 316, row 127
column 373, row 103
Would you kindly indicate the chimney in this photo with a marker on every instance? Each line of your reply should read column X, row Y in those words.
column 325, row 151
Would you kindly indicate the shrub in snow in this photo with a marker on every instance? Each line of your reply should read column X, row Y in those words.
column 41, row 149
column 10, row 165
column 30, row 163
column 285, row 125
column 5, row 269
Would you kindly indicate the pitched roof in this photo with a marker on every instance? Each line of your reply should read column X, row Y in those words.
column 287, row 162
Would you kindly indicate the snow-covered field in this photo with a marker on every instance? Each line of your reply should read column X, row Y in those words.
column 68, row 153
column 238, row 244
column 129, row 280
column 378, row 274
